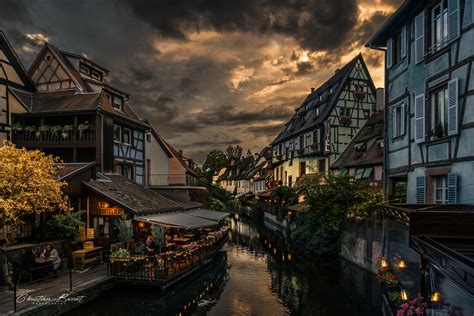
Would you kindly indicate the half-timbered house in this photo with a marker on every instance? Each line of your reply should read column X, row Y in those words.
column 13, row 79
column 79, row 116
column 325, row 123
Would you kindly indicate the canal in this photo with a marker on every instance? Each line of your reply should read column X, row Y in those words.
column 256, row 273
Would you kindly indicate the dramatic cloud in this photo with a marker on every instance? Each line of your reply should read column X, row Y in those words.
column 206, row 73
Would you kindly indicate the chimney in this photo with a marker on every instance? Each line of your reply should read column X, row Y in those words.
column 312, row 90
column 380, row 99
column 180, row 152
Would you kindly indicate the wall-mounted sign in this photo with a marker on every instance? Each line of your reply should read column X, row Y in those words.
column 104, row 209
column 327, row 138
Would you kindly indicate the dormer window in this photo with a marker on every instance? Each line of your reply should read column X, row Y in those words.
column 118, row 102
column 96, row 75
column 84, row 69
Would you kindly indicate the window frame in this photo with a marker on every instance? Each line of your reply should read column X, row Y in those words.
column 434, row 97
column 129, row 132
column 444, row 19
column 443, row 187
column 120, row 133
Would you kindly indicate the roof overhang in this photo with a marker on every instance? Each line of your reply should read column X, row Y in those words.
column 178, row 220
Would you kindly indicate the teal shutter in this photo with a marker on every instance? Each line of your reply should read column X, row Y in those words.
column 389, row 53
column 403, row 44
column 452, row 188
column 420, row 118
column 454, row 25
column 402, row 119
column 419, row 37
column 394, row 122
column 420, row 190
column 453, row 97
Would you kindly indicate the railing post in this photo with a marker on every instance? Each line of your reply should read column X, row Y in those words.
column 14, row 293
column 70, row 279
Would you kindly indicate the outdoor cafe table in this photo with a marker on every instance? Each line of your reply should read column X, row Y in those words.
column 44, row 266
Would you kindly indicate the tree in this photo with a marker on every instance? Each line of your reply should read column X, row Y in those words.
column 28, row 185
column 68, row 225
column 218, row 206
column 330, row 197
column 234, row 152
column 215, row 160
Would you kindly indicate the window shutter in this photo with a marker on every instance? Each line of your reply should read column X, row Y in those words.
column 452, row 188
column 454, row 25
column 419, row 37
column 403, row 44
column 402, row 119
column 394, row 122
column 420, row 190
column 420, row 118
column 389, row 53
column 453, row 106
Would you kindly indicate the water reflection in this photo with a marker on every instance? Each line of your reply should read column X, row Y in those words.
column 257, row 273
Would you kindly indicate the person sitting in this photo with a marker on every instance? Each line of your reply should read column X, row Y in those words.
column 51, row 253
column 150, row 246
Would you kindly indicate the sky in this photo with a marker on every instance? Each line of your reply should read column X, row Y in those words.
column 206, row 73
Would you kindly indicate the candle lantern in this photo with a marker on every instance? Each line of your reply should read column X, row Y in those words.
column 435, row 297
column 402, row 264
column 383, row 263
column 404, row 295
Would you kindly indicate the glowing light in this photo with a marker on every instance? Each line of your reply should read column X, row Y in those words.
column 404, row 295
column 435, row 297
column 274, row 251
column 383, row 263
column 141, row 224
column 402, row 264
column 289, row 257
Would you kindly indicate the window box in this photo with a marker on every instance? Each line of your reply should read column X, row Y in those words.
column 346, row 120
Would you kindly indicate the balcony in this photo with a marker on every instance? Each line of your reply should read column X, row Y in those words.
column 37, row 138
column 157, row 180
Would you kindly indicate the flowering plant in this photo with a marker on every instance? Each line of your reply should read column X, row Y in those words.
column 413, row 307
column 388, row 278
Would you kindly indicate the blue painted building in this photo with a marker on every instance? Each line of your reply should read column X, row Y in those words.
column 429, row 80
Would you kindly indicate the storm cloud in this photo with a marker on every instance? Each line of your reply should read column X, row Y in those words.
column 206, row 73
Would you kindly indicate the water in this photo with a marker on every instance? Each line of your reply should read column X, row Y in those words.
column 256, row 274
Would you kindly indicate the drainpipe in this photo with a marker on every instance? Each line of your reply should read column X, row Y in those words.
column 88, row 208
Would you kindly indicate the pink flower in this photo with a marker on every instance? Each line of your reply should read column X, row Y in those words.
column 404, row 305
column 400, row 312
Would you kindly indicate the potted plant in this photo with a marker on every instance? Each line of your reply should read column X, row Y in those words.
column 30, row 129
column 82, row 127
column 17, row 127
column 43, row 129
column 55, row 130
column 66, row 131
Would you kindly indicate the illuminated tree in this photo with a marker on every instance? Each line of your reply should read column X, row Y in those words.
column 28, row 185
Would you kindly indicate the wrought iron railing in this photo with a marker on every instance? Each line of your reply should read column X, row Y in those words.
column 50, row 137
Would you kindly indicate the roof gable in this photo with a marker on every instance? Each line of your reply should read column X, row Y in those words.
column 11, row 68
column 323, row 100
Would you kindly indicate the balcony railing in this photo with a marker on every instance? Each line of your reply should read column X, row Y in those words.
column 170, row 179
column 50, row 137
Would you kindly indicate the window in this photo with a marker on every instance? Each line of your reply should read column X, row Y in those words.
column 397, row 47
column 118, row 102
column 126, row 136
column 117, row 133
column 366, row 114
column 322, row 165
column 398, row 120
column 345, row 112
column 440, row 189
column 302, row 168
column 84, row 69
column 439, row 25
column 439, row 113
column 308, row 140
column 96, row 75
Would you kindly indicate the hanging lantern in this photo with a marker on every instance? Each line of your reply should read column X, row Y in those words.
column 383, row 263
column 435, row 297
column 275, row 251
column 404, row 295
column 141, row 224
column 289, row 257
column 402, row 264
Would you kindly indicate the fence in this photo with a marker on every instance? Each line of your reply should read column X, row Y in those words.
column 42, row 284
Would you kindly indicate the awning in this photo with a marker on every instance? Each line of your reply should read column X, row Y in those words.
column 178, row 220
column 208, row 214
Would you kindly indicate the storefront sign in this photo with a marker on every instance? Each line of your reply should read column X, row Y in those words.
column 104, row 209
column 327, row 138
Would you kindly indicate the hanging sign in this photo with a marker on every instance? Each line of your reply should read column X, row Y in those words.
column 104, row 209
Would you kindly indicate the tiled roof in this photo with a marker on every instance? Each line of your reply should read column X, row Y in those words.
column 64, row 101
column 132, row 196
column 67, row 170
column 305, row 115
column 369, row 134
